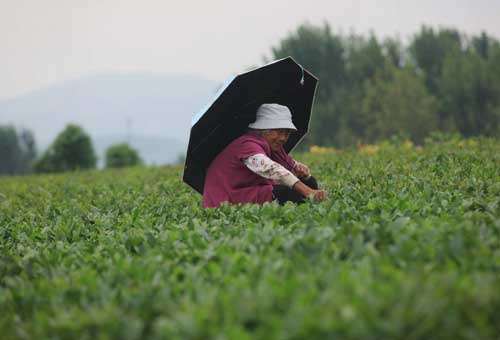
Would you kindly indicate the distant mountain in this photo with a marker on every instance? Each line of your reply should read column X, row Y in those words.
column 151, row 111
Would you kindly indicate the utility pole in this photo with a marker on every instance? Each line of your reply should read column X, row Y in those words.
column 128, row 123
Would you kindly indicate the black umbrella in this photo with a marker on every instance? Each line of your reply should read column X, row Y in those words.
column 227, row 116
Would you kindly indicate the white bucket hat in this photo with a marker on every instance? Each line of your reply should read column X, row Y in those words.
column 273, row 116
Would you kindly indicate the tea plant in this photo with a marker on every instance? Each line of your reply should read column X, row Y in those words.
column 407, row 246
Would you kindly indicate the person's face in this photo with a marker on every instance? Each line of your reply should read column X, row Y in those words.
column 276, row 138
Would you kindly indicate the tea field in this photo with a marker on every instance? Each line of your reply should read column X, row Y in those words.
column 407, row 246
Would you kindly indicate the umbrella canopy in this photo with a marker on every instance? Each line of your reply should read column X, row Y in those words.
column 235, row 105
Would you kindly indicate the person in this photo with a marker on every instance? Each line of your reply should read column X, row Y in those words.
column 255, row 168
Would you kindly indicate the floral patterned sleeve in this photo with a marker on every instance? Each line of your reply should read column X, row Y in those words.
column 266, row 167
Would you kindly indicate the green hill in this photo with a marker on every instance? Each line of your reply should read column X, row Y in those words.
column 408, row 246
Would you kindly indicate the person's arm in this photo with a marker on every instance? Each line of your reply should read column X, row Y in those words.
column 264, row 166
column 304, row 190
column 297, row 168
column 301, row 171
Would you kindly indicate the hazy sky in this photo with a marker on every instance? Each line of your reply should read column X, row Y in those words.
column 48, row 41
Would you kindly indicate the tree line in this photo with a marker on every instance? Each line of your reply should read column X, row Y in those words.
column 371, row 89
column 71, row 150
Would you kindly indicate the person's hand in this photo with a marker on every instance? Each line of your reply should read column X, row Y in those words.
column 301, row 171
column 318, row 195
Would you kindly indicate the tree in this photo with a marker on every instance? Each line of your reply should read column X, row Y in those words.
column 428, row 51
column 319, row 51
column 442, row 80
column 17, row 150
column 395, row 52
column 322, row 53
column 71, row 150
column 364, row 58
column 399, row 105
column 470, row 88
column 482, row 44
column 122, row 155
column 342, row 64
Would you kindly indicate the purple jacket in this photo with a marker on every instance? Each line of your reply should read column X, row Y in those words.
column 229, row 180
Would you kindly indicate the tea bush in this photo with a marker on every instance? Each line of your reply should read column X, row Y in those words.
column 407, row 246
